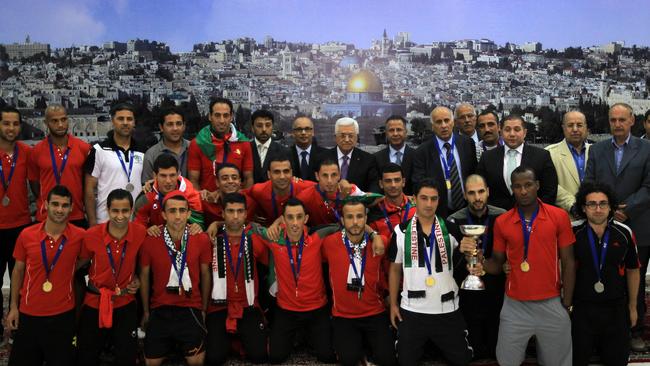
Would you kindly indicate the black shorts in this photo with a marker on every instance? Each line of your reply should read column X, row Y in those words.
column 172, row 327
column 40, row 339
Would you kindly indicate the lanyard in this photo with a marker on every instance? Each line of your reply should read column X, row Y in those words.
column 447, row 160
column 14, row 160
column 603, row 252
column 240, row 254
column 128, row 172
column 428, row 257
column 384, row 211
column 50, row 267
column 116, row 274
column 527, row 230
column 275, row 205
column 58, row 173
column 326, row 202
column 486, row 223
column 172, row 256
column 348, row 247
column 579, row 160
column 295, row 265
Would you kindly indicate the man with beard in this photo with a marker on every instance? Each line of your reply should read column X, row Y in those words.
column 59, row 160
column 263, row 147
column 395, row 207
column 172, row 127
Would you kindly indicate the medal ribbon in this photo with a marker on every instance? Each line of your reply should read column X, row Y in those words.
column 384, row 211
column 240, row 254
column 348, row 247
column 14, row 159
column 295, row 265
column 526, row 230
column 446, row 162
column 326, row 201
column 275, row 205
column 603, row 252
column 116, row 274
column 58, row 173
column 50, row 267
column 127, row 172
column 173, row 254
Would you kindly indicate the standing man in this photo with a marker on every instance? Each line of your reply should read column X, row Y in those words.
column 263, row 147
column 624, row 163
column 536, row 238
column 46, row 256
column 421, row 251
column 305, row 153
column 59, row 160
column 355, row 165
column 229, row 181
column 111, row 249
column 487, row 124
column 218, row 143
column 607, row 280
column 496, row 165
column 646, row 125
column 448, row 158
column 465, row 121
column 172, row 128
column 395, row 207
column 114, row 163
column 397, row 152
column 570, row 158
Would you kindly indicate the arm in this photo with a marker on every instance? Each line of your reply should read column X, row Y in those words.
column 568, row 275
column 394, row 280
column 248, row 179
column 90, row 201
column 206, row 286
column 17, row 277
column 193, row 176
column 144, row 293
column 147, row 166
column 633, row 277
column 494, row 265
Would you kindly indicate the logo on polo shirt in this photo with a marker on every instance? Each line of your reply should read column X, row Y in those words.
column 138, row 159
column 237, row 152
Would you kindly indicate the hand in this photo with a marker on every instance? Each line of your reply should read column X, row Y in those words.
column 345, row 188
column 634, row 316
column 477, row 270
column 12, row 319
column 619, row 215
column 133, row 286
column 395, row 315
column 212, row 230
column 209, row 196
column 506, row 268
column 273, row 232
column 468, row 245
column 260, row 220
column 195, row 229
column 154, row 231
column 148, row 186
column 378, row 247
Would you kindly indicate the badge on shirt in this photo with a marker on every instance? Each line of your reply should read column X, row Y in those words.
column 237, row 152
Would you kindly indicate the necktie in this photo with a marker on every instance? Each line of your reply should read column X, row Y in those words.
column 511, row 164
column 344, row 167
column 398, row 158
column 457, row 199
column 304, row 166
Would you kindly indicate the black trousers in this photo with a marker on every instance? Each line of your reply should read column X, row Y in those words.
column 91, row 339
column 8, row 239
column 447, row 331
column 603, row 327
column 286, row 324
column 251, row 331
column 46, row 339
column 481, row 310
column 641, row 307
column 374, row 332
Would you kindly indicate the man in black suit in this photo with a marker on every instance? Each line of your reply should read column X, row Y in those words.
column 497, row 164
column 396, row 152
column 448, row 158
column 356, row 165
column 263, row 146
column 306, row 155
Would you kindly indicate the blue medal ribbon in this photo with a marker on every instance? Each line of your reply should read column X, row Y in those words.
column 446, row 162
column 428, row 257
column 109, row 252
column 275, row 205
column 59, row 250
column 58, row 173
column 326, row 202
column 295, row 265
column 240, row 254
column 127, row 172
column 526, row 230
column 172, row 257
column 598, row 266
column 14, row 160
column 384, row 211
column 348, row 247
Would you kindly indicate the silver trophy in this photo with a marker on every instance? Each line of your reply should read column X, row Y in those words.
column 473, row 282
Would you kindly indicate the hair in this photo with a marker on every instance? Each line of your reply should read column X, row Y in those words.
column 589, row 187
column 646, row 115
column 426, row 183
column 226, row 165
column 463, row 105
column 168, row 112
column 395, row 117
column 122, row 106
column 486, row 112
column 119, row 194
column 281, row 157
column 165, row 161
column 567, row 114
column 235, row 197
column 346, row 121
column 12, row 109
column 327, row 161
column 512, row 117
column 175, row 197
column 293, row 202
column 61, row 191
column 262, row 113
column 53, row 108
column 624, row 105
column 391, row 168
column 221, row 100
column 352, row 203
column 472, row 178
column 301, row 115
column 522, row 169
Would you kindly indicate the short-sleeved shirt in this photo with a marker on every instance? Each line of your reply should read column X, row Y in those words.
column 621, row 256
column 239, row 154
column 160, row 148
column 154, row 254
column 103, row 163
column 41, row 171
column 262, row 193
column 124, row 253
column 319, row 212
column 551, row 231
column 17, row 212
column 33, row 300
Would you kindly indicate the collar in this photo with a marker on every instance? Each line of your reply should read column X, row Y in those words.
column 573, row 149
column 184, row 145
column 541, row 215
column 267, row 144
column 42, row 234
column 300, row 150
column 180, row 185
column 340, row 154
column 474, row 136
column 519, row 149
column 389, row 206
column 108, row 238
column 110, row 143
column 393, row 150
column 442, row 142
column 68, row 145
column 627, row 141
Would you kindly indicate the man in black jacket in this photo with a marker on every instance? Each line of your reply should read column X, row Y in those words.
column 263, row 146
column 396, row 152
column 356, row 165
column 306, row 155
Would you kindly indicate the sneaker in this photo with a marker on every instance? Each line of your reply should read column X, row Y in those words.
column 637, row 344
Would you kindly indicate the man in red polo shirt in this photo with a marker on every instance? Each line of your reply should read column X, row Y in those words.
column 59, row 160
column 178, row 264
column 395, row 208
column 536, row 238
column 355, row 273
column 228, row 180
column 111, row 249
column 46, row 256
column 217, row 143
column 14, row 203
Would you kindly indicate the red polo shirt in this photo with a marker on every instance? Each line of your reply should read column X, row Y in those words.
column 149, row 205
column 551, row 231
column 17, row 213
column 396, row 215
column 41, row 171
column 33, row 300
column 346, row 303
column 239, row 153
column 319, row 213
column 154, row 254
column 94, row 246
column 262, row 193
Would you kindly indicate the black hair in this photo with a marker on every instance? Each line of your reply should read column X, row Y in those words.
column 11, row 109
column 262, row 113
column 395, row 117
column 293, row 202
column 487, row 112
column 327, row 161
column 426, row 183
column 522, row 169
column 234, row 197
column 169, row 111
column 646, row 115
column 119, row 194
column 122, row 106
column 165, row 161
column 589, row 187
column 61, row 191
column 353, row 203
column 512, row 117
column 282, row 156
column 221, row 100
column 391, row 168
column 176, row 197
column 226, row 165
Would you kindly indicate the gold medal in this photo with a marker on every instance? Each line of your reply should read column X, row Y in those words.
column 47, row 286
column 448, row 184
column 525, row 267
column 430, row 281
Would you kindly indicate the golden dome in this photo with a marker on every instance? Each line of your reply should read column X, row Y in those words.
column 364, row 81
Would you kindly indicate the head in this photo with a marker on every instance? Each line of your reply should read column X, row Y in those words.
column 426, row 198
column 221, row 115
column 476, row 194
column 10, row 125
column 280, row 172
column 513, row 131
column 120, row 207
column 346, row 131
column 524, row 185
column 123, row 118
column 328, row 175
column 172, row 125
column 396, row 131
column 295, row 216
column 594, row 201
column 465, row 119
column 176, row 211
column 303, row 131
column 646, row 123
column 165, row 169
column 487, row 124
column 574, row 126
column 262, row 122
column 58, row 204
column 442, row 122
column 621, row 120
column 354, row 218
column 234, row 210
column 392, row 181
column 56, row 120
column 228, row 178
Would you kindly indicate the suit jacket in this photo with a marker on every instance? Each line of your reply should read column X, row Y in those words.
column 491, row 168
column 260, row 170
column 426, row 163
column 362, row 169
column 567, row 173
column 316, row 155
column 631, row 183
column 382, row 157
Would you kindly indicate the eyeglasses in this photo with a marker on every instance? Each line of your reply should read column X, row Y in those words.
column 302, row 129
column 593, row 204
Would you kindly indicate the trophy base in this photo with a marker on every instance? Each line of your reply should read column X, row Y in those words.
column 473, row 283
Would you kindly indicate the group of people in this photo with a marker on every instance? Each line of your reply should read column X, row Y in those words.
column 358, row 256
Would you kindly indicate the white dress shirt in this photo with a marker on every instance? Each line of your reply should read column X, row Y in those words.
column 520, row 151
column 262, row 149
